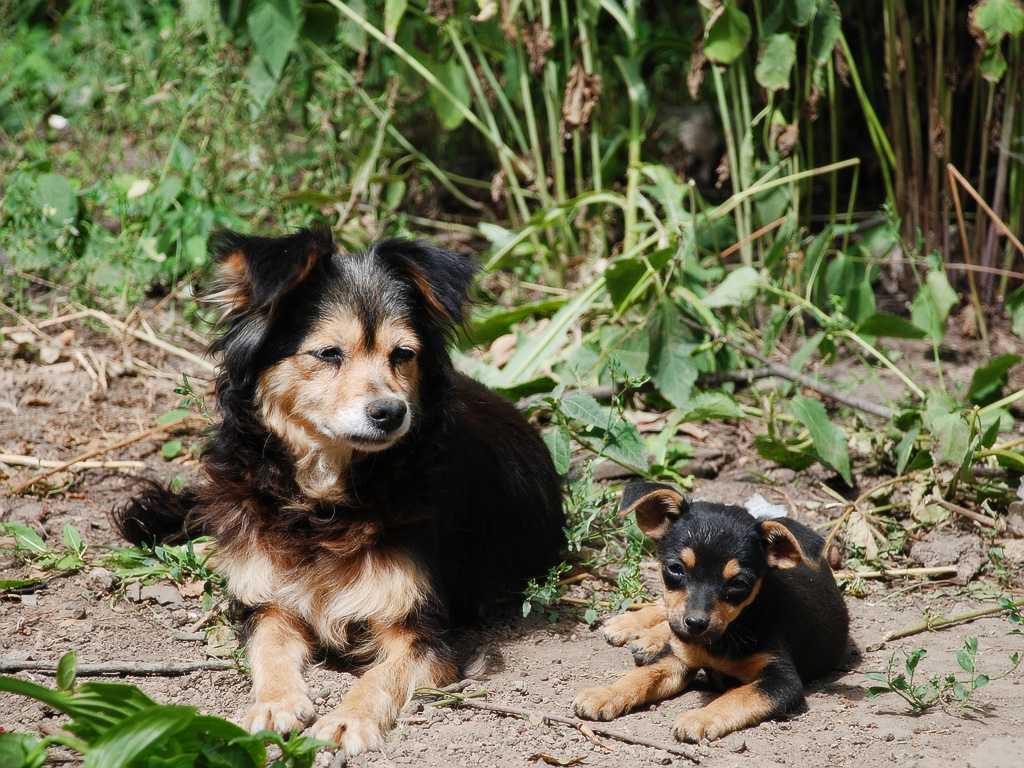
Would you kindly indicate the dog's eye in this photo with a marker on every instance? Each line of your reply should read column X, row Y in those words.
column 675, row 570
column 402, row 355
column 736, row 590
column 329, row 355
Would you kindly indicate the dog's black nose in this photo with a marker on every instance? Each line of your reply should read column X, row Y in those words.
column 696, row 623
column 386, row 415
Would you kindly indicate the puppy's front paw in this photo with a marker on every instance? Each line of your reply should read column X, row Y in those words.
column 284, row 714
column 696, row 724
column 601, row 703
column 619, row 630
column 354, row 734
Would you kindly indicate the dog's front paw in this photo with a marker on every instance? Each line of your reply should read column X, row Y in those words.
column 619, row 630
column 697, row 724
column 601, row 703
column 284, row 714
column 354, row 735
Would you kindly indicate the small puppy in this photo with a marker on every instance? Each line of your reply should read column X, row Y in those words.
column 363, row 496
column 746, row 600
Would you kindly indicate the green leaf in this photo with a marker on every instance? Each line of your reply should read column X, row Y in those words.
column 727, row 35
column 905, row 448
column 776, row 65
column 828, row 437
column 19, row 750
column 171, row 449
column 138, row 736
column 453, row 77
column 988, row 380
column 950, row 432
column 394, row 10
column 739, row 288
column 712, row 405
column 670, row 364
column 501, row 321
column 72, row 538
column 67, row 670
column 825, row 29
column 274, row 26
column 1015, row 309
column 26, row 539
column 6, row 584
column 557, row 441
column 584, row 408
column 56, row 198
column 800, row 11
column 778, row 451
column 176, row 415
column 932, row 303
column 849, row 278
column 996, row 19
column 624, row 446
column 890, row 326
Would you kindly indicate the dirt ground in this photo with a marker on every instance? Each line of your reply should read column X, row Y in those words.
column 84, row 388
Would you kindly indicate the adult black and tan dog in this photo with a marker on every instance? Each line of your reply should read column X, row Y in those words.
column 363, row 496
column 746, row 600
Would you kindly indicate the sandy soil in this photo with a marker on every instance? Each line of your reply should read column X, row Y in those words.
column 60, row 409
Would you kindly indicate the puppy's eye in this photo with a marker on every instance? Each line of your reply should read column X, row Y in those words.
column 675, row 570
column 329, row 355
column 402, row 355
column 736, row 590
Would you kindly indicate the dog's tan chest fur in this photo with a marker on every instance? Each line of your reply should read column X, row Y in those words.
column 330, row 592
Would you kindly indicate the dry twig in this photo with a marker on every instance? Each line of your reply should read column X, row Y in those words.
column 936, row 622
column 104, row 449
column 31, row 461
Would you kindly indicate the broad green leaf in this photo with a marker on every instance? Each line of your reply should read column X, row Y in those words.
column 825, row 29
column 56, row 197
column 800, row 11
column 950, row 434
column 776, row 65
column 828, row 437
column 19, row 750
column 176, row 415
column 624, row 446
column 668, row 191
column 636, row 88
column 932, row 303
column 849, row 278
column 1015, row 309
column 631, row 351
column 557, row 441
column 1011, row 460
column 584, row 408
column 171, row 449
column 6, row 584
column 453, row 77
column 773, row 449
column 712, row 405
column 137, row 736
column 727, row 36
column 501, row 321
column 988, row 380
column 274, row 26
column 25, row 538
column 67, row 670
column 72, row 538
column 670, row 364
column 394, row 10
column 994, row 20
column 739, row 288
column 890, row 326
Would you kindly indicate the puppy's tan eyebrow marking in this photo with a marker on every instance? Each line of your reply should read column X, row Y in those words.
column 689, row 557
column 732, row 568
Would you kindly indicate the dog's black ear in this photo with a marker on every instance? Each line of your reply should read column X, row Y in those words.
column 440, row 276
column 254, row 272
column 657, row 505
column 782, row 550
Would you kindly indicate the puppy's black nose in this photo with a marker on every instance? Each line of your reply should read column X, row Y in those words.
column 696, row 623
column 386, row 415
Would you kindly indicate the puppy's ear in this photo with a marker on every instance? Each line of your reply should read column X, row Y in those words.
column 781, row 548
column 657, row 506
column 441, row 277
column 255, row 272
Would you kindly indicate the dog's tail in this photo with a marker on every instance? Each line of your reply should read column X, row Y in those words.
column 158, row 514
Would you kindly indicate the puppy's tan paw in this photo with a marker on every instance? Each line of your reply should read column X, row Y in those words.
column 284, row 714
column 355, row 735
column 696, row 724
column 619, row 630
column 599, row 703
